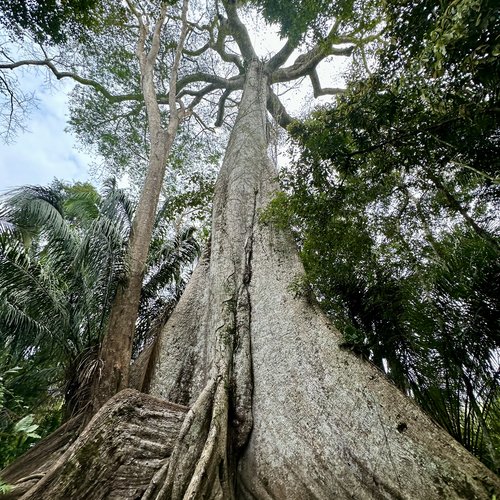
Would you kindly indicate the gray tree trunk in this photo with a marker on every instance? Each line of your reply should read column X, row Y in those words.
column 324, row 423
column 276, row 409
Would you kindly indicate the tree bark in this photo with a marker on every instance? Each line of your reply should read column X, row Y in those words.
column 324, row 423
column 27, row 470
column 116, row 348
column 115, row 457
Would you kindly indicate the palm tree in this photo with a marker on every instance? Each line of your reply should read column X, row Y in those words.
column 62, row 256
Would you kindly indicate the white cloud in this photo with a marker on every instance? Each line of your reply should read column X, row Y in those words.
column 45, row 151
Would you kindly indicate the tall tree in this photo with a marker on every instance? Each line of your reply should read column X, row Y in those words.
column 263, row 401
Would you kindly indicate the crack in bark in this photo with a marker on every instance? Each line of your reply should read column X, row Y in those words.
column 203, row 463
column 242, row 421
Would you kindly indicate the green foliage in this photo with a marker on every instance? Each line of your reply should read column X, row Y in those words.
column 4, row 488
column 117, row 129
column 49, row 20
column 20, row 394
column 27, row 428
column 455, row 37
column 298, row 17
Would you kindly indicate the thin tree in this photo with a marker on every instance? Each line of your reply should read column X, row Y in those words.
column 60, row 264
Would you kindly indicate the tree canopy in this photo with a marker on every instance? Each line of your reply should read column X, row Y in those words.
column 50, row 21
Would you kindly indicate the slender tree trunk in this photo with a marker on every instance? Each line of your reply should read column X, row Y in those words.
column 116, row 349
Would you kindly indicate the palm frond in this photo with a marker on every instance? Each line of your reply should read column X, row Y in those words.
column 168, row 260
column 62, row 256
column 36, row 210
column 6, row 227
column 116, row 203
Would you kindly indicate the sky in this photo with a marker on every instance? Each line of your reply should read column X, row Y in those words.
column 45, row 151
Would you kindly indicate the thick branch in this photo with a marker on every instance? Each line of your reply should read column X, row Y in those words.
column 155, row 42
column 199, row 95
column 277, row 110
column 208, row 78
column 306, row 63
column 74, row 76
column 280, row 57
column 219, row 46
column 220, row 107
column 196, row 52
column 239, row 32
column 322, row 91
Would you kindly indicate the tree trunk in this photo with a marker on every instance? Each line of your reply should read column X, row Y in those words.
column 116, row 349
column 324, row 423
column 277, row 409
column 115, row 457
column 28, row 469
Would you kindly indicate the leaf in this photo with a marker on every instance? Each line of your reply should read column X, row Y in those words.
column 26, row 425
column 4, row 488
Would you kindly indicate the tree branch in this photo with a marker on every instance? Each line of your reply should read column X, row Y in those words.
column 201, row 122
column 198, row 94
column 155, row 42
column 196, row 52
column 313, row 75
column 74, row 76
column 277, row 110
column 218, row 46
column 147, row 62
column 13, row 101
column 234, row 82
column 454, row 204
column 359, row 41
column 239, row 31
column 280, row 57
column 306, row 63
column 143, row 30
column 220, row 107
column 175, row 67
